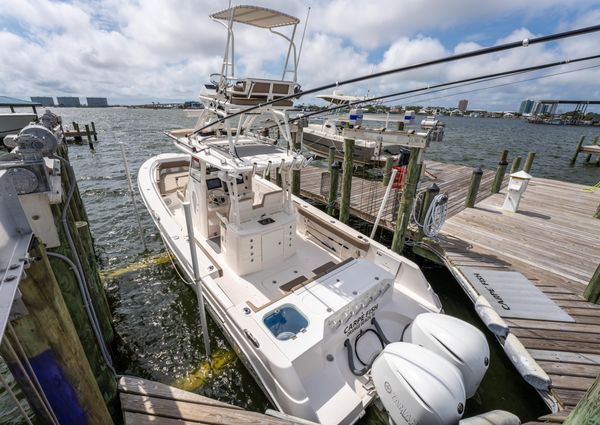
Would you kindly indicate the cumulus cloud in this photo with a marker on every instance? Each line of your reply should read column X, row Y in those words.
column 157, row 50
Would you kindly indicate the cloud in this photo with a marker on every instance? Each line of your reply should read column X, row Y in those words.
column 156, row 50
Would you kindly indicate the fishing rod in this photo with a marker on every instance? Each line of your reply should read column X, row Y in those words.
column 487, row 87
column 451, row 83
column 487, row 50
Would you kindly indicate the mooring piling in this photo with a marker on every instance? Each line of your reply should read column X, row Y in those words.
column 387, row 170
column 407, row 200
column 529, row 162
column 588, row 158
column 334, row 171
column 94, row 131
column 347, row 168
column 77, row 137
column 592, row 290
column 577, row 149
column 500, row 171
column 474, row 187
column 587, row 411
column 431, row 192
column 89, row 137
column 516, row 164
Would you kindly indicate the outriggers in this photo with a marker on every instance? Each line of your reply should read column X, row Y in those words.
column 325, row 318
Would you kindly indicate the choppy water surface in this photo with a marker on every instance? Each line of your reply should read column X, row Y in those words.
column 155, row 314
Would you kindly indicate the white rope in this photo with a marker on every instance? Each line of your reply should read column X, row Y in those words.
column 435, row 217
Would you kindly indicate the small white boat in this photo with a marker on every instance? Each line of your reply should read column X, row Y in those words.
column 326, row 319
column 11, row 122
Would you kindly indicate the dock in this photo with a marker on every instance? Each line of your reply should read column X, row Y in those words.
column 147, row 402
column 552, row 241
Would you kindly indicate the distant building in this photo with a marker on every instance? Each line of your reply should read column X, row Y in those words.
column 462, row 104
column 526, row 107
column 69, row 102
column 44, row 100
column 97, row 102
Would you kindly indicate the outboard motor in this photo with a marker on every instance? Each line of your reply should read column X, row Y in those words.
column 418, row 386
column 457, row 341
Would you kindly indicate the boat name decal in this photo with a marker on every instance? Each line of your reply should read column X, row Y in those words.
column 361, row 318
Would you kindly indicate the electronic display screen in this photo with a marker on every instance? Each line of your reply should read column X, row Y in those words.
column 213, row 183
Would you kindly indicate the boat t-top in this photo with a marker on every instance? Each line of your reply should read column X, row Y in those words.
column 326, row 319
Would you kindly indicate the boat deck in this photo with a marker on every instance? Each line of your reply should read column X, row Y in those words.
column 150, row 403
column 552, row 240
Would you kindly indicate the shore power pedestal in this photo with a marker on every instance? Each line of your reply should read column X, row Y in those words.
column 516, row 187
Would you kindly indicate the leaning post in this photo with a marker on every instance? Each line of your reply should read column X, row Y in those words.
column 333, row 181
column 577, row 149
column 529, row 162
column 500, row 171
column 347, row 167
column 474, row 187
column 407, row 200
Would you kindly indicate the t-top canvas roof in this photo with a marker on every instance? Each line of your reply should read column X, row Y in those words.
column 257, row 16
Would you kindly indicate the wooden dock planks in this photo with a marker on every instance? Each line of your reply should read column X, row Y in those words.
column 552, row 240
column 146, row 402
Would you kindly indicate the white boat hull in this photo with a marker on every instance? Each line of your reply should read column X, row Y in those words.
column 12, row 123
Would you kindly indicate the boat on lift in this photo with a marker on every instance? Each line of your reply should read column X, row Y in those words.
column 326, row 319
column 373, row 147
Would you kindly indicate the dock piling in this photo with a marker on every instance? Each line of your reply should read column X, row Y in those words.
column 592, row 290
column 516, row 164
column 387, row 171
column 77, row 137
column 94, row 131
column 500, row 171
column 347, row 168
column 407, row 200
column 333, row 181
column 587, row 411
column 588, row 158
column 577, row 150
column 89, row 137
column 529, row 162
column 430, row 193
column 474, row 187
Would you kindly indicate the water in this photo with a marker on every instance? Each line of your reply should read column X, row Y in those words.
column 155, row 315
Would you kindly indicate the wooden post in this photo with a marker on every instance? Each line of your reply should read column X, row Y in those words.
column 474, row 187
column 529, row 162
column 52, row 347
column 587, row 411
column 597, row 215
column 430, row 193
column 516, row 164
column 296, row 173
column 387, row 171
column 588, row 158
column 94, row 132
column 500, row 171
column 77, row 136
column 347, row 168
column 333, row 181
column 12, row 109
column 407, row 200
column 577, row 149
column 592, row 290
column 89, row 137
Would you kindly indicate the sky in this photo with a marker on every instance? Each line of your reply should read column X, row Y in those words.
column 164, row 50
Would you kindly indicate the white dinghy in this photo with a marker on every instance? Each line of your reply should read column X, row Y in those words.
column 325, row 318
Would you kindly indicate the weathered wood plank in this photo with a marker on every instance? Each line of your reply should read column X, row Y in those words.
column 145, row 419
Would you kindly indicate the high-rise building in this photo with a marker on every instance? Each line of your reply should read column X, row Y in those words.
column 43, row 100
column 97, row 101
column 462, row 105
column 526, row 106
column 69, row 102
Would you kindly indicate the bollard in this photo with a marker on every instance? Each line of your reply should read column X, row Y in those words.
column 407, row 200
column 588, row 158
column 516, row 164
column 577, row 149
column 89, row 137
column 500, row 171
column 387, row 171
column 94, row 132
column 529, row 162
column 474, row 187
column 334, row 171
column 346, row 180
column 430, row 193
